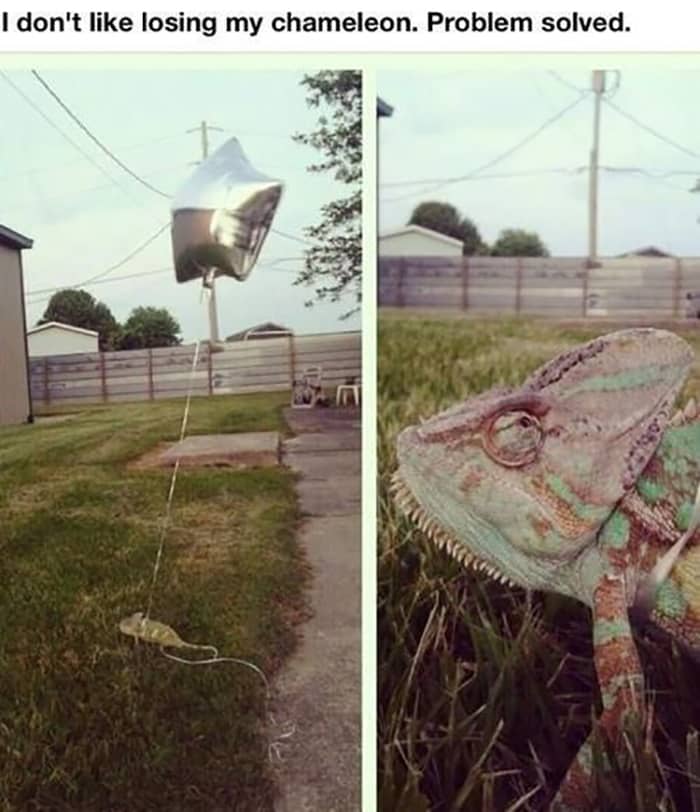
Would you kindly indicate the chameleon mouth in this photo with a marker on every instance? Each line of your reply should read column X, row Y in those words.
column 438, row 534
column 687, row 414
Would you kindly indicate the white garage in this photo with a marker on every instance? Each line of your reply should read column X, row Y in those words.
column 55, row 338
column 417, row 241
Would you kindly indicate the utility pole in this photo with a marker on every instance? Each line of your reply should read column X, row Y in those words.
column 598, row 85
column 213, row 314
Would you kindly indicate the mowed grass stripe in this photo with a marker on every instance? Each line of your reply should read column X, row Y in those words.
column 88, row 720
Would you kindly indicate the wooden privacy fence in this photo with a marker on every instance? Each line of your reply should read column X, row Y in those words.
column 628, row 287
column 262, row 365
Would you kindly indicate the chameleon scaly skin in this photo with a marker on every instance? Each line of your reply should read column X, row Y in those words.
column 577, row 482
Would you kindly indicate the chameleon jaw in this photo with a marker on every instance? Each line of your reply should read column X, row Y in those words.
column 437, row 534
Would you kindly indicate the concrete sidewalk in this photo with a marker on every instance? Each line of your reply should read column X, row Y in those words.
column 319, row 689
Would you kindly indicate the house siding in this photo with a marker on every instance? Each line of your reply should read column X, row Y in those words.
column 15, row 405
column 58, row 341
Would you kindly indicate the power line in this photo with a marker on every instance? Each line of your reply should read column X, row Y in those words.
column 271, row 265
column 55, row 167
column 290, row 236
column 92, row 284
column 55, row 127
column 129, row 256
column 559, row 78
column 646, row 175
column 54, row 199
column 523, row 141
column 651, row 130
column 93, row 137
column 493, row 175
column 93, row 279
column 107, row 151
column 658, row 176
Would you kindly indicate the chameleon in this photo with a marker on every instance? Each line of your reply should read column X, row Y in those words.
column 582, row 481
column 153, row 631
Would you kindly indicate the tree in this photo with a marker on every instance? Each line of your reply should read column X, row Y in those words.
column 516, row 242
column 447, row 219
column 150, row 327
column 80, row 309
column 333, row 263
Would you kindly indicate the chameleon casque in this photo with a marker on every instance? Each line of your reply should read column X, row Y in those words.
column 582, row 481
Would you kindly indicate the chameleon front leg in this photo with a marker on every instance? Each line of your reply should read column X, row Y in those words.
column 621, row 686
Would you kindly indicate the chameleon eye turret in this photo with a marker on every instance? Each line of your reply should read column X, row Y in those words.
column 513, row 438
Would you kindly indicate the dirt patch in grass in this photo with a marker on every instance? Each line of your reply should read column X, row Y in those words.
column 235, row 450
column 149, row 459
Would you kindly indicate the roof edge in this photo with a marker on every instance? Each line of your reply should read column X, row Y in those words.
column 62, row 326
column 13, row 239
column 428, row 232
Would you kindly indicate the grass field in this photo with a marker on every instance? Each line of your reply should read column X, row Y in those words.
column 485, row 693
column 88, row 720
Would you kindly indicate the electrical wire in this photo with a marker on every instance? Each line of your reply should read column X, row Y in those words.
column 56, row 167
column 55, row 127
column 501, row 157
column 651, row 130
column 644, row 174
column 117, row 160
column 101, row 281
column 51, row 199
column 495, row 175
column 93, row 137
column 93, row 279
column 559, row 78
column 129, row 256
column 271, row 265
column 290, row 236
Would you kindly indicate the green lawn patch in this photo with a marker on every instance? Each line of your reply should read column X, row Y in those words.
column 486, row 694
column 88, row 720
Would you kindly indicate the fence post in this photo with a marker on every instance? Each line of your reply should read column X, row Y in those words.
column 292, row 361
column 103, row 377
column 518, row 285
column 151, row 387
column 465, row 282
column 210, row 371
column 677, row 284
column 400, row 298
column 47, row 388
column 584, row 291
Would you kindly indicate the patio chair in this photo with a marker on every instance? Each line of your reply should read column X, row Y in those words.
column 307, row 391
column 351, row 388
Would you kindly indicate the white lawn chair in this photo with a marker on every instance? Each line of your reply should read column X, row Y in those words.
column 352, row 388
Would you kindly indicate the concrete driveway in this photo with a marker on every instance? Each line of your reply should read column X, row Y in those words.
column 319, row 688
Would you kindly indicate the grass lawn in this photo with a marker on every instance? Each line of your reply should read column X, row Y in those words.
column 484, row 696
column 88, row 720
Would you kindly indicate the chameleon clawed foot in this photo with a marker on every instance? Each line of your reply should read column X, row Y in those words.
column 645, row 598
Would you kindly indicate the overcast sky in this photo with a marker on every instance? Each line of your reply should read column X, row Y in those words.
column 85, row 219
column 446, row 124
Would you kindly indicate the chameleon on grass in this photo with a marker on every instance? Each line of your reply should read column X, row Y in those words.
column 584, row 482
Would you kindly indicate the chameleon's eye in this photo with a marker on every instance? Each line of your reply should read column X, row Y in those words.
column 513, row 438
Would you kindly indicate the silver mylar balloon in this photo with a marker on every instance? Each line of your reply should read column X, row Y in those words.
column 221, row 216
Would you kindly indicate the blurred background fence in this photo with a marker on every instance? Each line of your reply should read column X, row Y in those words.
column 627, row 288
